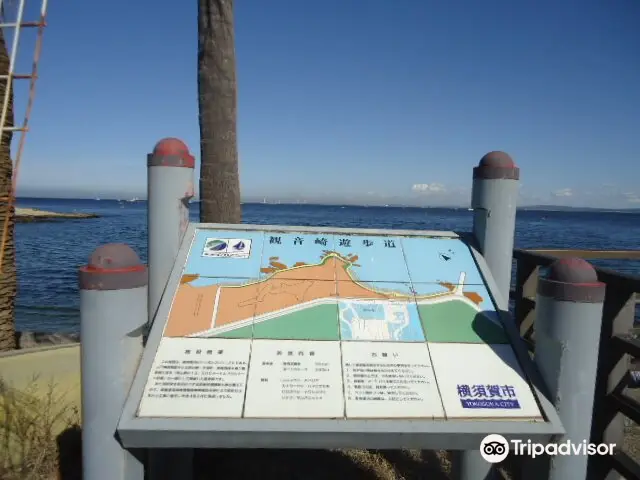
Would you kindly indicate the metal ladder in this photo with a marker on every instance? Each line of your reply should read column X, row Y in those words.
column 17, row 25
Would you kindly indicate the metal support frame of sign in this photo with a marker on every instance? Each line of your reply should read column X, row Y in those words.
column 202, row 431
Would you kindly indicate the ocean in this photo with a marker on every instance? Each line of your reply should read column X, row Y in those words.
column 49, row 253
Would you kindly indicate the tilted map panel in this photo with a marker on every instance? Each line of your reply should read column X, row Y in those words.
column 294, row 300
column 371, row 258
column 226, row 254
column 482, row 381
column 440, row 260
column 298, row 255
column 378, row 311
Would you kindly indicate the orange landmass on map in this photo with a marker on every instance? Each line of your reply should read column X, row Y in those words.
column 449, row 286
column 193, row 307
column 474, row 297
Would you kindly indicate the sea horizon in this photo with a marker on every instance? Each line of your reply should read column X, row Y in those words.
column 289, row 202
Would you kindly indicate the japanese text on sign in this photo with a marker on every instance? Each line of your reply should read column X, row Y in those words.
column 198, row 379
column 394, row 382
column 488, row 396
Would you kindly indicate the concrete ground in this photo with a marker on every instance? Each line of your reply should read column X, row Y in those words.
column 42, row 367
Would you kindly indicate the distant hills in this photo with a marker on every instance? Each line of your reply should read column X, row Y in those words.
column 563, row 208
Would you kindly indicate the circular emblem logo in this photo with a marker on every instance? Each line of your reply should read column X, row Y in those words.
column 216, row 245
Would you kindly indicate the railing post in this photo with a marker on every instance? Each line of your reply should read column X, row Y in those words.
column 493, row 199
column 113, row 312
column 169, row 189
column 525, row 294
column 568, row 325
column 608, row 423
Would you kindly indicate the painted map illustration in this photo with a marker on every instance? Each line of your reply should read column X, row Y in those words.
column 320, row 294
column 334, row 326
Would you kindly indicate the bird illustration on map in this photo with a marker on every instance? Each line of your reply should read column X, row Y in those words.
column 446, row 256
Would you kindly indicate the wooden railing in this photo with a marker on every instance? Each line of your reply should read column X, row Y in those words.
column 618, row 346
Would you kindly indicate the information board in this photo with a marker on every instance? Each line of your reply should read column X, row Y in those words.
column 277, row 324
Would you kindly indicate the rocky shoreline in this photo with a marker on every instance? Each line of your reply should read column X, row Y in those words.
column 27, row 215
column 25, row 340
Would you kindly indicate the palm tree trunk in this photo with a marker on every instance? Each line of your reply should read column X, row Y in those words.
column 8, row 280
column 217, row 100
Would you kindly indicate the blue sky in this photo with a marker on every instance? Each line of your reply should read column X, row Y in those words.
column 350, row 100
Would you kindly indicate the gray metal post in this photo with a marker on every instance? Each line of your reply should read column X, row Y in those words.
column 169, row 189
column 113, row 312
column 567, row 325
column 494, row 197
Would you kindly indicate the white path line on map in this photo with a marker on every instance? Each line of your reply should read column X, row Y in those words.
column 215, row 307
column 460, row 286
column 235, row 325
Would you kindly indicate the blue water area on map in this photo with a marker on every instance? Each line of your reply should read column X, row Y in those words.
column 225, row 266
column 292, row 248
column 379, row 258
column 380, row 321
column 209, row 281
column 432, row 260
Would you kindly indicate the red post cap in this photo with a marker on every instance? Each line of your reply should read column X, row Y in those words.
column 497, row 159
column 571, row 280
column 114, row 266
column 571, row 270
column 496, row 165
column 171, row 152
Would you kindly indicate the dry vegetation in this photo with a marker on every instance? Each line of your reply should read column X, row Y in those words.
column 632, row 430
column 34, row 428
